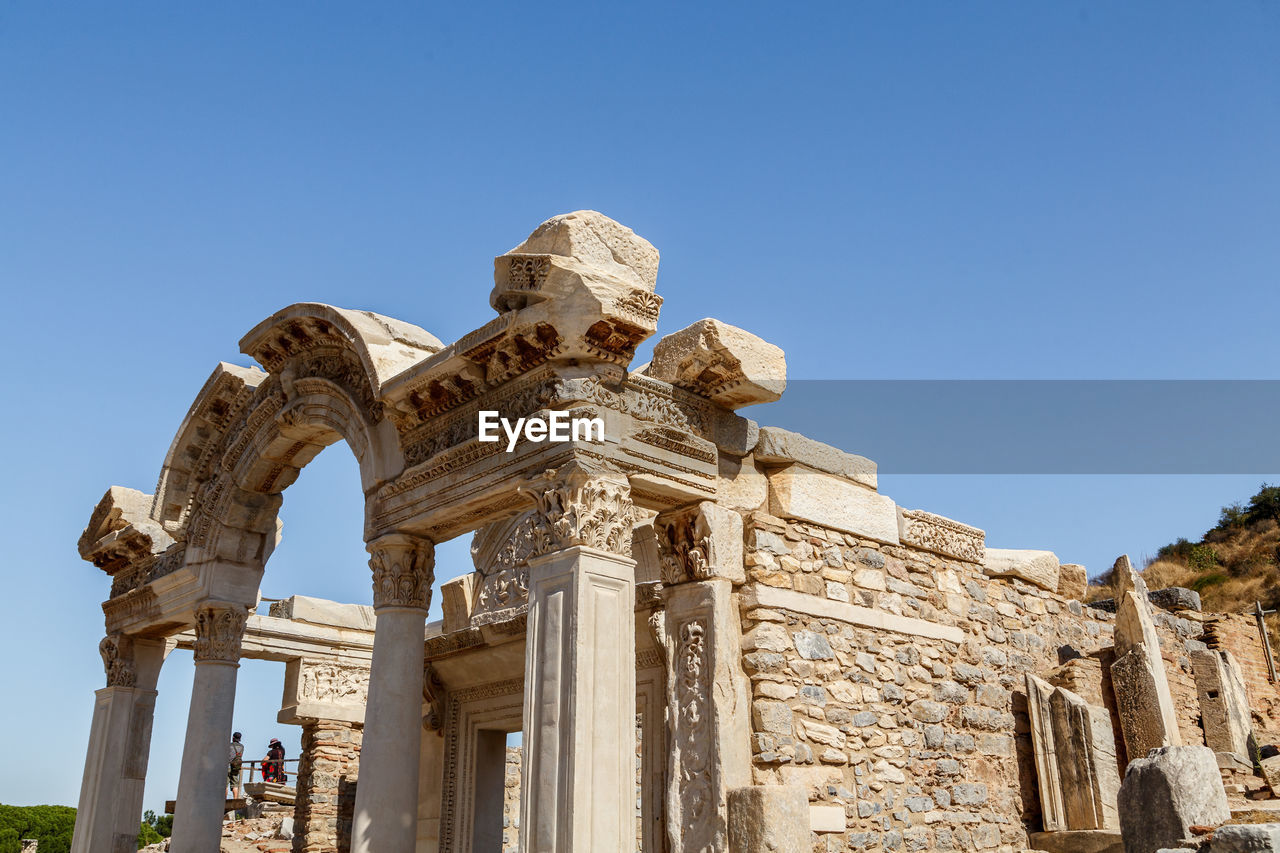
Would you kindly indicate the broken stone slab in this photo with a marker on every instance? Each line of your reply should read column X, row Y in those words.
column 1145, row 703
column 1246, row 838
column 726, row 364
column 769, row 819
column 1224, row 701
column 1271, row 773
column 1035, row 567
column 780, row 447
column 1175, row 598
column 1078, row 841
column 594, row 239
column 1124, row 578
column 1073, row 581
column 802, row 494
column 1168, row 792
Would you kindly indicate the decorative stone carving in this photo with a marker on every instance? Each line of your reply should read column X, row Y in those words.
column 117, row 659
column 1075, row 759
column 724, row 363
column 580, row 505
column 331, row 682
column 219, row 632
column 403, row 569
column 500, row 554
column 700, row 542
column 693, row 680
column 941, row 535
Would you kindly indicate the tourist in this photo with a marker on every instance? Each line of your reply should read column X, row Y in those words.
column 273, row 765
column 235, row 757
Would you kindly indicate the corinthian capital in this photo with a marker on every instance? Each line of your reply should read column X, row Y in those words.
column 403, row 569
column 578, row 504
column 219, row 632
column 117, row 660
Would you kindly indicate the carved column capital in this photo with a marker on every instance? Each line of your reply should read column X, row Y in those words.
column 219, row 632
column 577, row 504
column 117, row 659
column 403, row 570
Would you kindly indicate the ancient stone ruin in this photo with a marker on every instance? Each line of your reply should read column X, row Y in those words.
column 711, row 635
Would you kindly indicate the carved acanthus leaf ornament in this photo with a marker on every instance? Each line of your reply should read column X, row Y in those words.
column 581, row 505
column 403, row 570
column 219, row 632
column 117, row 660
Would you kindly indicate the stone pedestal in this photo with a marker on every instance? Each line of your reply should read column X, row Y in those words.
column 386, row 811
column 115, row 767
column 202, row 783
column 578, row 784
column 326, row 787
column 709, row 733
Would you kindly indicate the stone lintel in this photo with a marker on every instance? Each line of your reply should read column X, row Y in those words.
column 825, row 608
column 782, row 447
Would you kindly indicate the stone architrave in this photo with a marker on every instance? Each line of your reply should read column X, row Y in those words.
column 1035, row 567
column 709, row 721
column 1168, row 792
column 1145, row 705
column 110, row 806
column 1224, row 701
column 1075, row 759
column 578, row 775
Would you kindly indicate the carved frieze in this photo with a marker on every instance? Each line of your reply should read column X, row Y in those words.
column 693, row 733
column 403, row 569
column 332, row 682
column 219, row 632
column 941, row 535
column 581, row 505
column 118, row 661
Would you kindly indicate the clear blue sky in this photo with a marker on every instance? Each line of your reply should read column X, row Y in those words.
column 926, row 190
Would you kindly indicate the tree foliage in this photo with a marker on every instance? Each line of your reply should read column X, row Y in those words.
column 50, row 825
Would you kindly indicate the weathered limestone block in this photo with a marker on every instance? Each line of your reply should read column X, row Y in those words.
column 729, row 365
column 769, row 819
column 1075, row 759
column 1125, row 578
column 594, row 239
column 1166, row 793
column 941, row 535
column 1078, row 841
column 800, row 493
column 1175, row 598
column 1271, row 773
column 1073, row 580
column 1246, row 838
column 710, row 721
column 1147, row 716
column 782, row 447
column 1034, row 567
column 321, row 611
column 1224, row 701
column 457, row 599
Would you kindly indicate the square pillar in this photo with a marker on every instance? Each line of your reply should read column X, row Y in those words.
column 326, row 789
column 578, row 774
column 115, row 769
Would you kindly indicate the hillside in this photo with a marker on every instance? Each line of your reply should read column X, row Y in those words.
column 1232, row 566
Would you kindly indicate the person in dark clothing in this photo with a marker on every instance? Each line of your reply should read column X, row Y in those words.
column 273, row 764
column 235, row 757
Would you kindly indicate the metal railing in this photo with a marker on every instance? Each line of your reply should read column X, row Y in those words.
column 255, row 766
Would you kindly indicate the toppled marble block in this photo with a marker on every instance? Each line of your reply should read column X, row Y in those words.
column 724, row 363
column 1246, row 838
column 1224, row 700
column 1035, row 567
column 1175, row 598
column 768, row 819
column 780, row 447
column 1075, row 759
column 1073, row 580
column 1166, row 793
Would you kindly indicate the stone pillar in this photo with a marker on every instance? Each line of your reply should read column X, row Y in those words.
column 115, row 767
column 386, row 810
column 202, row 782
column 430, row 790
column 326, row 787
column 578, row 775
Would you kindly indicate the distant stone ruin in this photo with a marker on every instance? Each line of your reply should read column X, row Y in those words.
column 711, row 635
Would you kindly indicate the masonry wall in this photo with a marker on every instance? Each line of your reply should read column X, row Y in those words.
column 1238, row 634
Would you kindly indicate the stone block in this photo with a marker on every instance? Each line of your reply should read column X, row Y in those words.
column 457, row 597
column 320, row 611
column 768, row 819
column 1078, row 841
column 1075, row 759
column 941, row 535
column 826, row 818
column 1040, row 568
column 1175, row 598
column 1246, row 838
column 800, row 493
column 1224, row 700
column 783, row 447
column 724, row 363
column 1166, row 793
column 1073, row 580
column 1145, row 704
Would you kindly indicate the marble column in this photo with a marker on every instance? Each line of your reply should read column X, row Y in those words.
column 386, row 813
column 115, row 766
column 202, row 782
column 578, row 774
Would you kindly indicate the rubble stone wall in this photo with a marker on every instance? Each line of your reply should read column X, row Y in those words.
column 327, row 786
column 1238, row 634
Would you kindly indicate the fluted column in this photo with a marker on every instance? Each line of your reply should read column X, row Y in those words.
column 578, row 774
column 202, row 783
column 115, row 766
column 387, row 792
